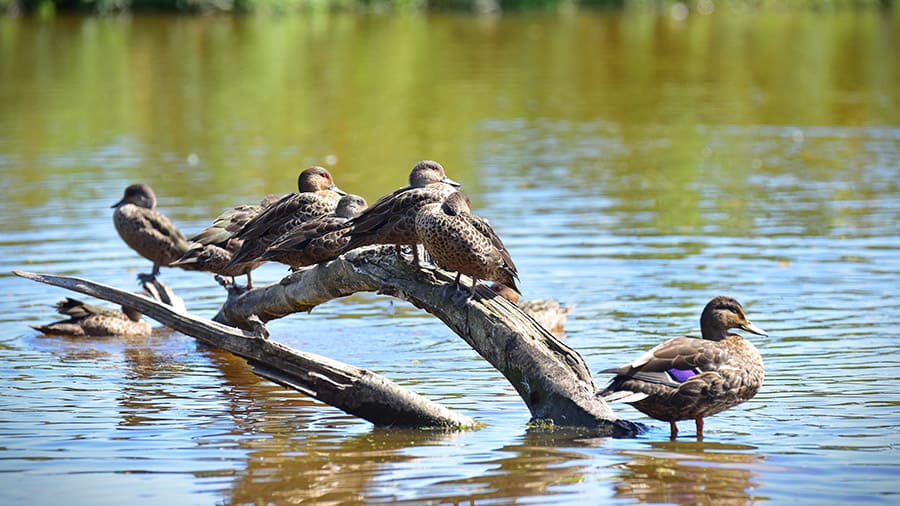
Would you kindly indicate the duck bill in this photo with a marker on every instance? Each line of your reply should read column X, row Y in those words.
column 749, row 327
column 337, row 190
column 447, row 180
column 118, row 204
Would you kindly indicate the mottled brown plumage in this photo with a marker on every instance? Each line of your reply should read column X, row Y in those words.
column 212, row 249
column 96, row 321
column 549, row 313
column 459, row 241
column 146, row 230
column 317, row 196
column 689, row 378
column 392, row 219
column 318, row 239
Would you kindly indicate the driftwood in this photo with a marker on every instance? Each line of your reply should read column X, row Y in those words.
column 356, row 391
column 552, row 379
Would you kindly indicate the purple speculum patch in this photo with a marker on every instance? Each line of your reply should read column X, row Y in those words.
column 680, row 375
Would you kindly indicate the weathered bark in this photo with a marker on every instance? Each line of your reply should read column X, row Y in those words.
column 356, row 391
column 551, row 378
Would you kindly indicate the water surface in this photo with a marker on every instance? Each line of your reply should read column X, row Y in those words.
column 634, row 165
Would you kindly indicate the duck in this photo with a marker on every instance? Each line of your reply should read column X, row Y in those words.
column 317, row 240
column 317, row 195
column 212, row 249
column 549, row 313
column 687, row 377
column 391, row 219
column 88, row 320
column 460, row 241
column 146, row 230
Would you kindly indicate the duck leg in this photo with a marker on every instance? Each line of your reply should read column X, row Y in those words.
column 472, row 289
column 699, row 423
column 673, row 430
column 149, row 278
column 454, row 291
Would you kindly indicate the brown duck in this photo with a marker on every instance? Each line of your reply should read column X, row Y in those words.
column 318, row 239
column 317, row 196
column 212, row 249
column 689, row 378
column 549, row 313
column 459, row 241
column 96, row 321
column 392, row 219
column 146, row 230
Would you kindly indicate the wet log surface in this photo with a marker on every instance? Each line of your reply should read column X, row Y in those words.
column 551, row 378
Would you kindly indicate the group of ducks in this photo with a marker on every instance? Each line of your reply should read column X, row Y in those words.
column 318, row 223
column 683, row 378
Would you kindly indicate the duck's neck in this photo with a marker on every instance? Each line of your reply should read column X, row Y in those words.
column 714, row 334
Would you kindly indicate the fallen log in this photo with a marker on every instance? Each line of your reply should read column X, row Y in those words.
column 550, row 377
column 356, row 391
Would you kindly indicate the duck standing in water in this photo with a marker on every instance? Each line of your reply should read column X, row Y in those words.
column 549, row 313
column 689, row 378
column 212, row 249
column 317, row 195
column 459, row 241
column 317, row 240
column 146, row 230
column 392, row 218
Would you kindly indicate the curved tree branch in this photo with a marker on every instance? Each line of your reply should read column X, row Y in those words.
column 551, row 377
column 356, row 391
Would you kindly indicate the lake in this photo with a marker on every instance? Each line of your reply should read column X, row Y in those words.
column 635, row 165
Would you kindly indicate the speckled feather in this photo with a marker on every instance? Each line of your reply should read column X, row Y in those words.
column 318, row 239
column 317, row 196
column 89, row 320
column 212, row 249
column 460, row 241
column 146, row 230
column 392, row 219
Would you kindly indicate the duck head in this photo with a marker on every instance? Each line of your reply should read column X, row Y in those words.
column 350, row 206
column 316, row 179
column 140, row 195
column 722, row 314
column 427, row 172
column 455, row 204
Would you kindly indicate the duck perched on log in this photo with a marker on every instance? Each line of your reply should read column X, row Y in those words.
column 460, row 241
column 689, row 378
column 212, row 249
column 146, row 230
column 317, row 195
column 392, row 218
column 318, row 239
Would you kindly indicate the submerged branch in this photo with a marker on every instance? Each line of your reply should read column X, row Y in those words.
column 550, row 377
column 356, row 391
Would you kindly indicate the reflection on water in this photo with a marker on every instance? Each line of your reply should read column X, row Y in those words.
column 635, row 166
column 691, row 473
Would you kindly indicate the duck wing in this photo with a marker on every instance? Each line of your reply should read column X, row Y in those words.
column 672, row 362
column 484, row 228
column 157, row 224
column 300, row 237
column 226, row 225
column 270, row 218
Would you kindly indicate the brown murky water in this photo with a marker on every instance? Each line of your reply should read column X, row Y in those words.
column 634, row 165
